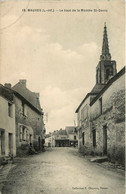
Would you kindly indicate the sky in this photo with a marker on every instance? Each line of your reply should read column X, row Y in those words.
column 57, row 52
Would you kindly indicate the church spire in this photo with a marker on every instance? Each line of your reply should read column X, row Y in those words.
column 105, row 47
column 106, row 68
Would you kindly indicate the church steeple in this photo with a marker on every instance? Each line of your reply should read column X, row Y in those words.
column 105, row 47
column 106, row 68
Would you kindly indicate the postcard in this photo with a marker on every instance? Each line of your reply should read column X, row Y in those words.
column 62, row 96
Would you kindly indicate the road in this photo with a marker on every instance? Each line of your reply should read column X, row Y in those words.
column 61, row 171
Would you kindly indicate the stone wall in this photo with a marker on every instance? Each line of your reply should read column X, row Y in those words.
column 31, row 119
column 113, row 117
column 84, row 125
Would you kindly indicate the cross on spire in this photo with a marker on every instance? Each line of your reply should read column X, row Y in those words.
column 105, row 47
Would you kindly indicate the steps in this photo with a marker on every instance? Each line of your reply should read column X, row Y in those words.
column 99, row 159
column 6, row 160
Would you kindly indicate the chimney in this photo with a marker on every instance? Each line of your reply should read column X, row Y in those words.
column 7, row 85
column 23, row 82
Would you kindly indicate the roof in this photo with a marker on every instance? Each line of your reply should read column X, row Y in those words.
column 61, row 132
column 47, row 135
column 70, row 129
column 113, row 79
column 97, row 88
column 29, row 96
column 88, row 94
column 6, row 93
column 54, row 132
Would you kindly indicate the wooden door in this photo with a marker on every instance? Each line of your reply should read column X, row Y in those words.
column 105, row 140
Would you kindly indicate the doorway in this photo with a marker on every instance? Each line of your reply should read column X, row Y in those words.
column 2, row 143
column 39, row 143
column 105, row 140
column 10, row 143
column 30, row 138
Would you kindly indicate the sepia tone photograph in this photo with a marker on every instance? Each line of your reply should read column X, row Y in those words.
column 62, row 97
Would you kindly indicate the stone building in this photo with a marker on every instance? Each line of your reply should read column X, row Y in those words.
column 7, row 123
column 101, row 114
column 29, row 123
column 48, row 140
column 83, row 120
column 72, row 135
column 61, row 138
column 108, row 120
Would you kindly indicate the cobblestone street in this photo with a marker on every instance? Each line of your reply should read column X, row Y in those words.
column 61, row 171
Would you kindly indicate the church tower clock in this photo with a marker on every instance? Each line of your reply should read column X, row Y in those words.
column 106, row 68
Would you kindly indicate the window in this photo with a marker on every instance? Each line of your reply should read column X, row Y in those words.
column 22, row 108
column 100, row 104
column 20, row 133
column 107, row 73
column 98, row 77
column 74, row 137
column 24, row 133
column 111, row 72
column 83, row 138
column 94, row 137
column 9, row 109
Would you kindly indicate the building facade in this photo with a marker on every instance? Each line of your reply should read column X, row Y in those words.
column 61, row 139
column 48, row 140
column 101, row 114
column 29, row 123
column 7, row 123
column 108, row 120
column 72, row 135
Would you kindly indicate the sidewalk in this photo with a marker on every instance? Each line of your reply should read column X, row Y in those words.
column 4, row 170
column 102, row 161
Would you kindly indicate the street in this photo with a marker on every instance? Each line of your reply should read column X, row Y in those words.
column 61, row 171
